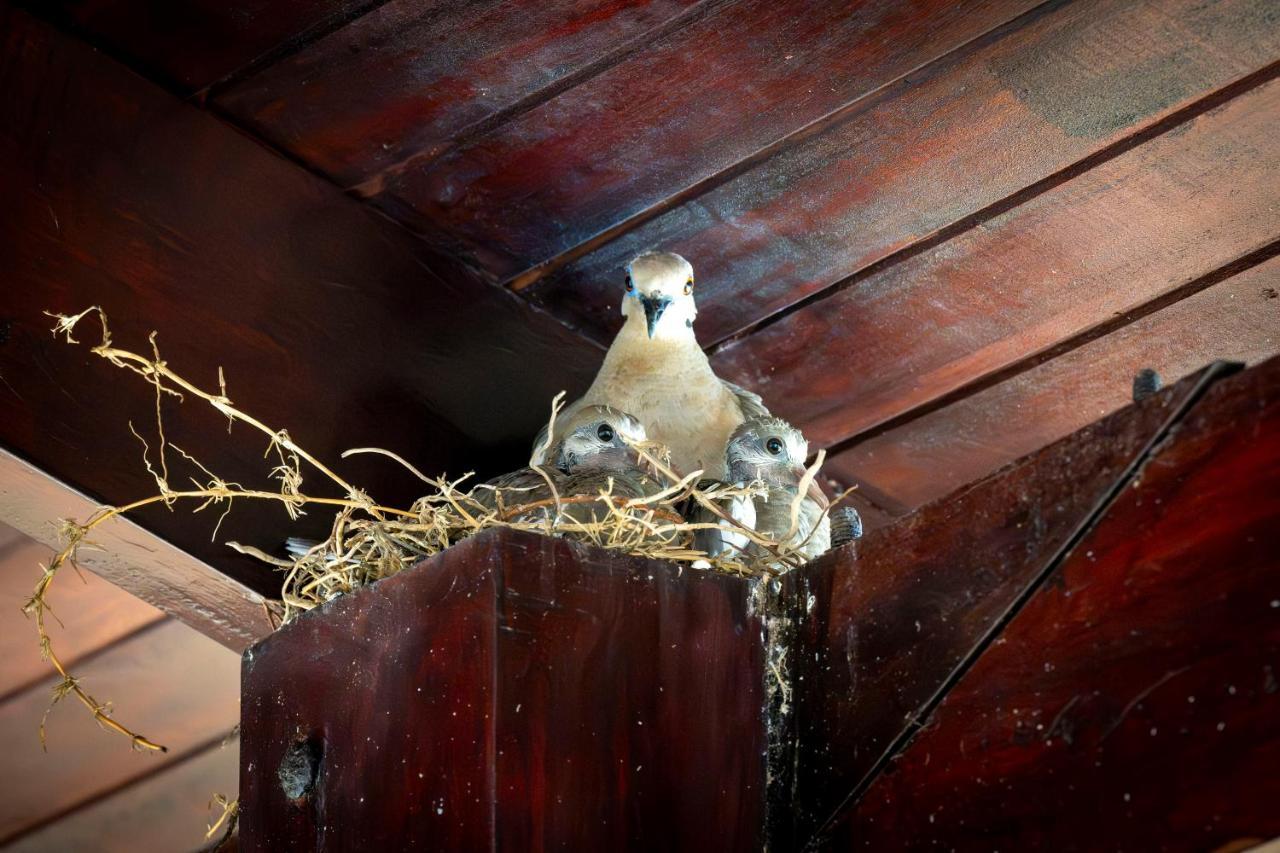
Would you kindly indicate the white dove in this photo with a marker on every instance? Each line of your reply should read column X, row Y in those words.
column 656, row 371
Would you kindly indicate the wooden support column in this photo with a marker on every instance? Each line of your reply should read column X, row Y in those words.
column 514, row 690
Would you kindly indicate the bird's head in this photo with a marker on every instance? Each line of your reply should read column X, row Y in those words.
column 596, row 438
column 659, row 294
column 770, row 450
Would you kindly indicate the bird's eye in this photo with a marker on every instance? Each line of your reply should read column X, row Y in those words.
column 774, row 446
column 688, row 287
column 631, row 285
column 605, row 432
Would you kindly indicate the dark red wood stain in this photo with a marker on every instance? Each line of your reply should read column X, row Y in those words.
column 892, row 615
column 193, row 43
column 1134, row 701
column 328, row 320
column 935, row 455
column 404, row 80
column 963, row 133
column 1122, row 234
column 516, row 689
column 685, row 108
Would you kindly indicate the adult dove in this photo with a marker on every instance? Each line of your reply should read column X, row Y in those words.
column 656, row 371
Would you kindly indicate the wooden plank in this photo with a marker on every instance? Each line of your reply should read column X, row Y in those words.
column 932, row 456
column 170, row 683
column 1138, row 686
column 1131, row 230
column 887, row 619
column 192, row 44
column 167, row 811
column 97, row 613
column 966, row 132
column 148, row 567
column 570, row 697
column 686, row 108
column 329, row 320
column 403, row 81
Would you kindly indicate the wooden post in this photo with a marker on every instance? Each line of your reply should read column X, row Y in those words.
column 515, row 690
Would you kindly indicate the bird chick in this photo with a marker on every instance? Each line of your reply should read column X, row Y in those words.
column 772, row 451
column 656, row 371
column 597, row 455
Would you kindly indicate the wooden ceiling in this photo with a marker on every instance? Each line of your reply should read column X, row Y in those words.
column 935, row 235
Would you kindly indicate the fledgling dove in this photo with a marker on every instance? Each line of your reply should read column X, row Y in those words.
column 726, row 538
column 772, row 451
column 656, row 371
column 593, row 439
column 596, row 457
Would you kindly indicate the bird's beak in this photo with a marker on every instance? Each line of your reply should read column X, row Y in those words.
column 815, row 492
column 653, row 308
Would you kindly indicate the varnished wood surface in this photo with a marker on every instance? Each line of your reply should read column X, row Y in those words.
column 1138, row 686
column 171, row 684
column 165, row 812
column 933, row 456
column 573, row 697
column 894, row 613
column 191, row 44
column 927, row 152
column 676, row 113
column 395, row 87
column 1131, row 230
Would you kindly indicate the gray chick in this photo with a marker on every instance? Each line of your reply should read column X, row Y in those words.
column 773, row 451
column 596, row 456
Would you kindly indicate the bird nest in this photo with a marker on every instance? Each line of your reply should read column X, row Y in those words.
column 369, row 541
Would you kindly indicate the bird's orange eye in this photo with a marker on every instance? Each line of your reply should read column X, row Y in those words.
column 688, row 287
column 631, row 285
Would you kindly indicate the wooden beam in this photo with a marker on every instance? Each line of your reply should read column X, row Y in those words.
column 131, row 558
column 895, row 613
column 1137, row 686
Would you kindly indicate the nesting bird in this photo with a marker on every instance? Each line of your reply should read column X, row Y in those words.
column 772, row 451
column 593, row 447
column 656, row 371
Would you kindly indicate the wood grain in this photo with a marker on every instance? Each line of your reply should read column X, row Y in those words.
column 572, row 696
column 965, row 132
column 171, row 683
column 686, row 108
column 888, row 618
column 1122, row 234
column 933, row 456
column 167, row 811
column 1138, row 686
column 403, row 81
column 328, row 320
column 194, row 43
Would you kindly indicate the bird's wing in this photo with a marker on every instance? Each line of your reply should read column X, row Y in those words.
column 749, row 403
column 725, row 537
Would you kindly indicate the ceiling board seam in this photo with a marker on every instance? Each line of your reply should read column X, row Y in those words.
column 291, row 46
column 1028, row 193
column 1095, row 516
column 82, row 659
column 537, row 272
column 107, row 793
column 465, row 135
column 1184, row 291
